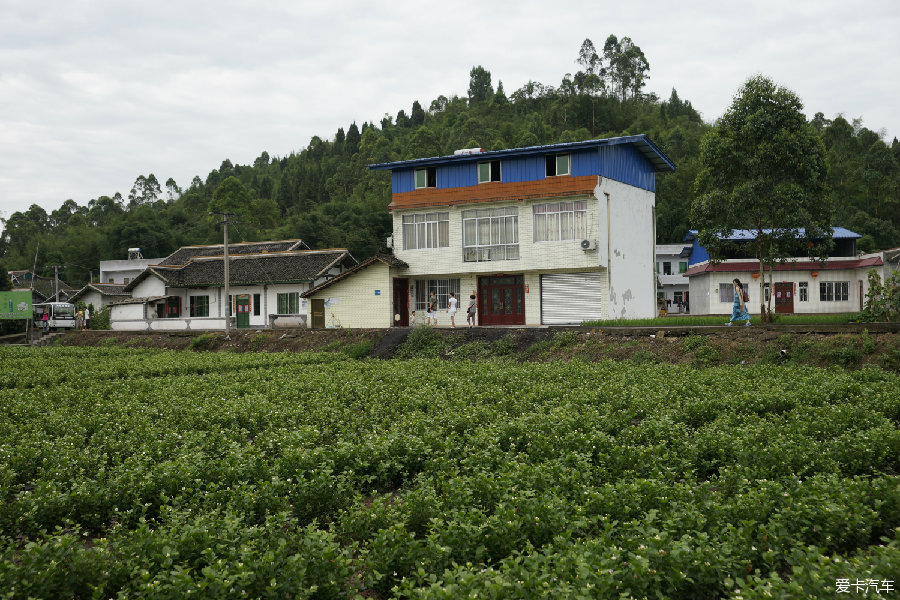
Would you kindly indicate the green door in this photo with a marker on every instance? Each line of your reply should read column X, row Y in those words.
column 242, row 302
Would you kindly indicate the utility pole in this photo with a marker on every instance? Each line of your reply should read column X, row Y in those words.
column 225, row 216
column 55, row 283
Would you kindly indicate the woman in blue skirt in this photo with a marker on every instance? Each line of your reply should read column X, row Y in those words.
column 739, row 308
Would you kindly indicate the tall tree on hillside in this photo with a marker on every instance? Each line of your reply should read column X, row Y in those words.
column 763, row 169
column 480, row 88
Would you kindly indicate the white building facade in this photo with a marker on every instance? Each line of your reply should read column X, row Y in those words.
column 556, row 234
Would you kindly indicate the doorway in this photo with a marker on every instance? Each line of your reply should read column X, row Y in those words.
column 784, row 297
column 502, row 300
column 242, row 307
column 401, row 302
column 317, row 308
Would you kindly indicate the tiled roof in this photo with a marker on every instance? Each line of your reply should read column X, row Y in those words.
column 185, row 253
column 104, row 289
column 281, row 267
column 800, row 265
column 45, row 287
column 389, row 259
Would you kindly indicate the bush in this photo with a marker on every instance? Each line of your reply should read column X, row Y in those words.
column 100, row 319
column 563, row 339
column 203, row 342
column 359, row 350
column 423, row 342
column 692, row 342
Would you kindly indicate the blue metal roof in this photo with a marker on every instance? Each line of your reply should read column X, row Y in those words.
column 837, row 233
column 641, row 143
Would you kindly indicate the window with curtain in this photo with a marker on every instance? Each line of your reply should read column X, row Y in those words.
column 289, row 303
column 199, row 306
column 560, row 221
column 491, row 234
column 426, row 230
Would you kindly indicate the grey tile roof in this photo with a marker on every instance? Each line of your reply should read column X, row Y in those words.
column 186, row 253
column 389, row 259
column 104, row 289
column 44, row 287
column 283, row 267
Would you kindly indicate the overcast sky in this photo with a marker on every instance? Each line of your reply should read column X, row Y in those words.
column 94, row 93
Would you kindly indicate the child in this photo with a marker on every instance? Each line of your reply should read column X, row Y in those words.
column 412, row 319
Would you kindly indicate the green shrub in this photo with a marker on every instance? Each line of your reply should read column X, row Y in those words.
column 423, row 342
column 692, row 342
column 471, row 351
column 203, row 342
column 537, row 348
column 563, row 339
column 705, row 356
column 359, row 349
column 504, row 346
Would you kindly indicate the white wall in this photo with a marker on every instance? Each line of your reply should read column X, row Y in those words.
column 566, row 254
column 627, row 242
column 704, row 291
column 152, row 286
column 353, row 300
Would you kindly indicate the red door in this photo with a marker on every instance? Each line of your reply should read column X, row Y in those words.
column 401, row 302
column 784, row 297
column 502, row 300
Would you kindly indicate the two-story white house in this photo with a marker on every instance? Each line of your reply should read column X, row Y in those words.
column 555, row 234
column 671, row 265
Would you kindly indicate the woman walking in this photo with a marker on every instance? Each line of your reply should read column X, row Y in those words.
column 739, row 308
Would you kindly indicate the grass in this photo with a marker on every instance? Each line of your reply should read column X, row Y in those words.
column 698, row 320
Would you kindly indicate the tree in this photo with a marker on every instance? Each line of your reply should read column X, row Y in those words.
column 230, row 197
column 480, row 88
column 763, row 169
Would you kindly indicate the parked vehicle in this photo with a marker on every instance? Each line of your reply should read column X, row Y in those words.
column 60, row 315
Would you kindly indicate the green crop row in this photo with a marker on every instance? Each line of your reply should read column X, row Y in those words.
column 136, row 473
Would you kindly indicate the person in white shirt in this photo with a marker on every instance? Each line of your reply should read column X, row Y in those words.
column 451, row 309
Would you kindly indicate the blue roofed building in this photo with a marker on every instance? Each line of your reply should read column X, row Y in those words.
column 553, row 234
column 799, row 285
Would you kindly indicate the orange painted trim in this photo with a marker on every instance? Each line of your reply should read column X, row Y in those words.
column 495, row 192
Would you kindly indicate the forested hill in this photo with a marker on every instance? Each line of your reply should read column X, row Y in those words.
column 326, row 195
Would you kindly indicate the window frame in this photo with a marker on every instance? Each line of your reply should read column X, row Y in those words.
column 493, row 174
column 257, row 304
column 834, row 291
column 682, row 267
column 500, row 221
column 433, row 226
column 667, row 267
column 803, row 291
column 429, row 175
column 198, row 304
column 288, row 300
column 442, row 288
column 552, row 163
column 573, row 212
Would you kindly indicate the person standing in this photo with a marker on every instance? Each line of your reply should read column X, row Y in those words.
column 432, row 309
column 79, row 319
column 470, row 311
column 451, row 310
column 87, row 318
column 45, row 321
column 739, row 308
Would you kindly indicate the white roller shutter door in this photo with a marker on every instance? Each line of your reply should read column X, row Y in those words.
column 570, row 298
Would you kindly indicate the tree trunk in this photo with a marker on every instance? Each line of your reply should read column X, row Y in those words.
column 762, row 295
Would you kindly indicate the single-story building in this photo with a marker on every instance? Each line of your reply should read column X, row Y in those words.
column 800, row 285
column 100, row 294
column 265, row 283
column 365, row 302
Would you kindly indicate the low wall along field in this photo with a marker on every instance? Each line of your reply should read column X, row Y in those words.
column 145, row 473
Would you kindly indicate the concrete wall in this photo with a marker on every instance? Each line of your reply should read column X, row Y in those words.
column 627, row 241
column 622, row 226
column 704, row 290
column 353, row 301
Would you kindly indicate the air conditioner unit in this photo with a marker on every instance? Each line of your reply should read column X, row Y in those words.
column 389, row 242
column 588, row 244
